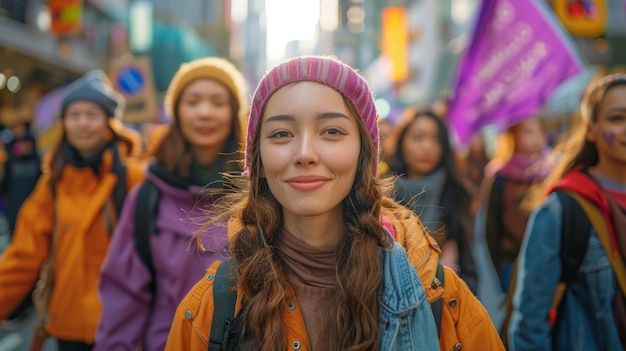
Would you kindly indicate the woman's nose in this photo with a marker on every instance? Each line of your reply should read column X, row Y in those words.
column 204, row 109
column 306, row 154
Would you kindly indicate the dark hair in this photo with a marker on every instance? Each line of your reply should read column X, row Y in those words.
column 175, row 152
column 352, row 309
column 455, row 198
column 58, row 159
column 575, row 150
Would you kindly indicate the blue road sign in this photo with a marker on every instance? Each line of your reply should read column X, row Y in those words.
column 131, row 80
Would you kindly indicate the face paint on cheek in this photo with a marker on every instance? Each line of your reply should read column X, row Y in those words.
column 608, row 137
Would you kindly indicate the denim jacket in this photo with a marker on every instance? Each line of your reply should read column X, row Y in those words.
column 407, row 322
column 585, row 320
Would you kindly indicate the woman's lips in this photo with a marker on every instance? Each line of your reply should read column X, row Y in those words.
column 204, row 131
column 307, row 183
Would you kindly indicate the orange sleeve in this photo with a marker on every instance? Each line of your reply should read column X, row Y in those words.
column 22, row 260
column 464, row 320
column 181, row 331
column 192, row 322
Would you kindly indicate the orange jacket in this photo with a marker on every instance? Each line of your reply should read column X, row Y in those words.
column 74, row 308
column 464, row 321
column 192, row 323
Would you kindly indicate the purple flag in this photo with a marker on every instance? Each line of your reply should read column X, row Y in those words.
column 47, row 109
column 518, row 55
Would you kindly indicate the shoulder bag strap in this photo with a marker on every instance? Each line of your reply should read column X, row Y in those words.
column 43, row 288
column 602, row 229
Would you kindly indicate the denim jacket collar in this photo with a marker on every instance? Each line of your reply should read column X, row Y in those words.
column 400, row 290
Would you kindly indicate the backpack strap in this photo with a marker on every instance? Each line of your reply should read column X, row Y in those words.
column 575, row 235
column 146, row 212
column 120, row 190
column 575, row 231
column 602, row 230
column 498, row 184
column 437, row 305
column 224, row 300
column 42, row 292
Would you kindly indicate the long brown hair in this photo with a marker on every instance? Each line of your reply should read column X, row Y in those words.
column 175, row 153
column 575, row 150
column 353, row 311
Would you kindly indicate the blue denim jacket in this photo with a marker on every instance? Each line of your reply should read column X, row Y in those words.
column 585, row 320
column 407, row 321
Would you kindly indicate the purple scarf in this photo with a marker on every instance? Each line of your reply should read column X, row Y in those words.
column 528, row 167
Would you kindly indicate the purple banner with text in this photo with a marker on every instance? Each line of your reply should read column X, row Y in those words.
column 517, row 56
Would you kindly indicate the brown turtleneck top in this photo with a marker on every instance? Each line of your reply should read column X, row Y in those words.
column 310, row 271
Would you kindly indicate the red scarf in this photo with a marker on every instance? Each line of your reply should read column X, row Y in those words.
column 581, row 183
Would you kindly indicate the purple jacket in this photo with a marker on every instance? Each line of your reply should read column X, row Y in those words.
column 132, row 315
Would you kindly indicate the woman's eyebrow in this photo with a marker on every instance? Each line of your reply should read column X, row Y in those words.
column 330, row 115
column 278, row 118
column 616, row 109
column 291, row 118
column 195, row 94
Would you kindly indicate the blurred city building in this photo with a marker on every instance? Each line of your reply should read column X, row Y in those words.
column 407, row 49
column 33, row 60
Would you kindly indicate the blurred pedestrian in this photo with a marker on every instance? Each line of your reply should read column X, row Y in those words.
column 430, row 184
column 474, row 164
column 529, row 163
column 63, row 229
column 591, row 173
column 207, row 102
column 22, row 169
column 21, row 172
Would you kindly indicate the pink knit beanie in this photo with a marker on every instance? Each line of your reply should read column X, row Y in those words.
column 321, row 69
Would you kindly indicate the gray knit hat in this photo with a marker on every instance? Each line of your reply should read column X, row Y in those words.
column 92, row 87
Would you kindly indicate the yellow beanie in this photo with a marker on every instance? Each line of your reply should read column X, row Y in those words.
column 214, row 68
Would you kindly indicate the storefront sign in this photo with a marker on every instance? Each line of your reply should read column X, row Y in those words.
column 66, row 16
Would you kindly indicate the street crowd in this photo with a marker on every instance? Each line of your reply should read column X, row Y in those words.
column 290, row 216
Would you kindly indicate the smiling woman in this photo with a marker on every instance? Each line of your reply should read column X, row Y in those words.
column 590, row 173
column 309, row 125
column 207, row 101
column 311, row 255
column 314, row 265
column 71, row 212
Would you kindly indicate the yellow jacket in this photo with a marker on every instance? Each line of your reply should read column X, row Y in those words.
column 465, row 324
column 84, row 234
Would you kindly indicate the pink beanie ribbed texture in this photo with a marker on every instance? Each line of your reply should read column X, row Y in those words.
column 321, row 69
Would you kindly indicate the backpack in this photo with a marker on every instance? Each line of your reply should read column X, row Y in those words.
column 225, row 326
column 146, row 212
column 575, row 232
